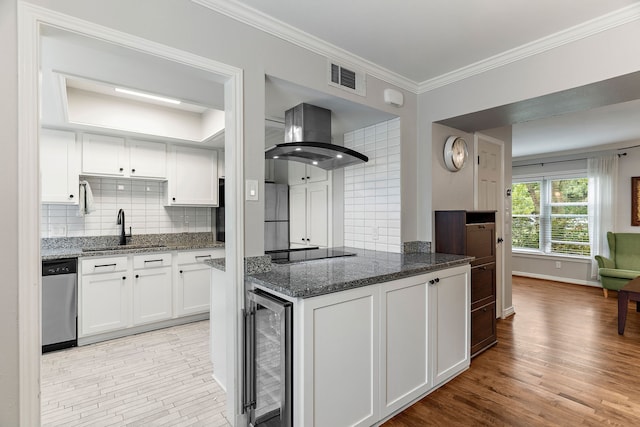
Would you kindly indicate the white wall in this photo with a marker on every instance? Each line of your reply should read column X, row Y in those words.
column 372, row 204
column 629, row 166
column 9, row 366
column 451, row 190
column 142, row 202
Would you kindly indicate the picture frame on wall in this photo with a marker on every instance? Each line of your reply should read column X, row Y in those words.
column 635, row 201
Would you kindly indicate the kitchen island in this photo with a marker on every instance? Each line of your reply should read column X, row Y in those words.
column 372, row 333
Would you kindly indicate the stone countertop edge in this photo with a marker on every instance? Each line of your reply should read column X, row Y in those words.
column 315, row 278
column 60, row 253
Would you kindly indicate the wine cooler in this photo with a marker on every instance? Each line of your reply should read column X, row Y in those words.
column 268, row 365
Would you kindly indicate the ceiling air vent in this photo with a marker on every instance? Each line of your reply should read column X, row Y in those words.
column 344, row 78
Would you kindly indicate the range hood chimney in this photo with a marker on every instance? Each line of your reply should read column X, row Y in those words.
column 307, row 139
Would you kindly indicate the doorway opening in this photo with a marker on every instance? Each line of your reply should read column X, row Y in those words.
column 222, row 84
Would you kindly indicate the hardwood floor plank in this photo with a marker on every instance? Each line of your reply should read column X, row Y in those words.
column 559, row 361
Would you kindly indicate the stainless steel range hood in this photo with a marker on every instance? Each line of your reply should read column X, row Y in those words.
column 307, row 139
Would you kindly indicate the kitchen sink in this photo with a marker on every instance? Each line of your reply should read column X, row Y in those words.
column 121, row 247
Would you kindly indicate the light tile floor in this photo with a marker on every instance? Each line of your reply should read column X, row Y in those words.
column 159, row 378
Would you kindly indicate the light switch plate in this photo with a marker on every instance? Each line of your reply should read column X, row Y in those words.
column 251, row 189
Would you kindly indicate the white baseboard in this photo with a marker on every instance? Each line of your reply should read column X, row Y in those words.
column 509, row 311
column 558, row 279
column 92, row 339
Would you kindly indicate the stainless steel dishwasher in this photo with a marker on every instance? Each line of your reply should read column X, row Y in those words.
column 59, row 304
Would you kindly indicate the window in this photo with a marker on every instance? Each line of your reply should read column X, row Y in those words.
column 550, row 215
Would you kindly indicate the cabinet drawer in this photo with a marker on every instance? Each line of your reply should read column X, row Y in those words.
column 483, row 328
column 152, row 260
column 103, row 265
column 483, row 285
column 193, row 257
column 481, row 243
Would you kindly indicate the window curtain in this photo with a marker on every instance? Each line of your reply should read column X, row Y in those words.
column 603, row 177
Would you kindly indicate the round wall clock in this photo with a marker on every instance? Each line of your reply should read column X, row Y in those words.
column 455, row 153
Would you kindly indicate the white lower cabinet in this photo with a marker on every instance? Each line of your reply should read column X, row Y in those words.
column 104, row 295
column 151, row 288
column 367, row 353
column 450, row 320
column 404, row 340
column 341, row 357
column 193, row 281
column 128, row 294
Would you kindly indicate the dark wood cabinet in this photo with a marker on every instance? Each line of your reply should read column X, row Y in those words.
column 473, row 233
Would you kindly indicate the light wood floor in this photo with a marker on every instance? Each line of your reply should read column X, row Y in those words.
column 160, row 378
column 559, row 362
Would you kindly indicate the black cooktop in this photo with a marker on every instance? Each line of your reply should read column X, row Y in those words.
column 297, row 255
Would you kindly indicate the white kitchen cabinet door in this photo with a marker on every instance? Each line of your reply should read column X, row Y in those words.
column 316, row 174
column 103, row 155
column 59, row 167
column 151, row 295
column 298, row 216
column 341, row 334
column 309, row 215
column 297, row 173
column 193, row 290
column 450, row 322
column 404, row 341
column 147, row 159
column 318, row 215
column 104, row 302
column 193, row 177
column 301, row 173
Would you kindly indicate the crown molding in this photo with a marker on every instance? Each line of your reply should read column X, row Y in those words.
column 594, row 26
column 266, row 23
column 257, row 19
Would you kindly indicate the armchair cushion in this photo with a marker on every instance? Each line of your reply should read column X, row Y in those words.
column 624, row 261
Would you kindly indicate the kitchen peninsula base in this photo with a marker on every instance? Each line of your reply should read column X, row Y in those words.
column 363, row 354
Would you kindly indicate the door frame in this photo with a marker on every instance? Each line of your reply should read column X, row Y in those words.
column 500, row 258
column 31, row 19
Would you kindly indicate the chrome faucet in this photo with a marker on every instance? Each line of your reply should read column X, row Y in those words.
column 120, row 222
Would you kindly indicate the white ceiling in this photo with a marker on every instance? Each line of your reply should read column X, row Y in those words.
column 422, row 41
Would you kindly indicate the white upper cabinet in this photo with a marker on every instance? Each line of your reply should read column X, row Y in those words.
column 59, row 167
column 300, row 173
column 147, row 159
column 113, row 156
column 104, row 155
column 309, row 215
column 192, row 177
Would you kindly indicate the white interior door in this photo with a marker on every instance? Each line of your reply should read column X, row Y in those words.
column 488, row 195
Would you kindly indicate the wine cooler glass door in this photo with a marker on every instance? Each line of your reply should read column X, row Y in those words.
column 268, row 366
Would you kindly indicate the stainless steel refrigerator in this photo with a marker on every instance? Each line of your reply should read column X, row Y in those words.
column 276, row 217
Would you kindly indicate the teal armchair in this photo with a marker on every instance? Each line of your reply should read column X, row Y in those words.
column 623, row 263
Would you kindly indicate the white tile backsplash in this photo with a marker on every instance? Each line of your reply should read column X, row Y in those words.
column 372, row 191
column 142, row 202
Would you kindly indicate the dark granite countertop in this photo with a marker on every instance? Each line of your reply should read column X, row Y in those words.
column 59, row 253
column 58, row 248
column 319, row 277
